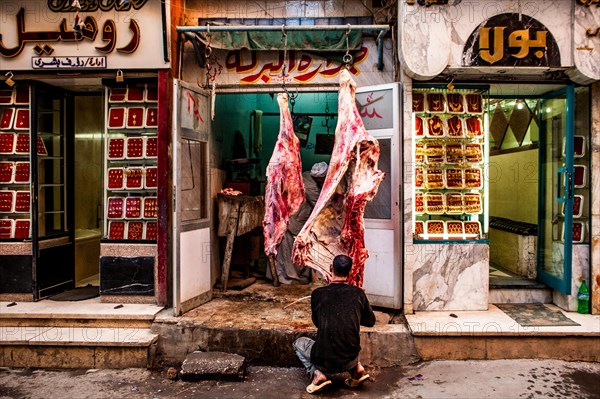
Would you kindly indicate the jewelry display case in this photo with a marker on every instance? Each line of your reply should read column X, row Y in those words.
column 450, row 152
column 130, row 187
column 15, row 163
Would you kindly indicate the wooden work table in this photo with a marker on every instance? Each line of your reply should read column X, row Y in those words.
column 238, row 215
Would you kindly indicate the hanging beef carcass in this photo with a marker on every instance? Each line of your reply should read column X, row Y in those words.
column 284, row 191
column 336, row 224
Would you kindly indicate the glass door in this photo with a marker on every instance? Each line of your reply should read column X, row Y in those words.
column 53, row 247
column 556, row 189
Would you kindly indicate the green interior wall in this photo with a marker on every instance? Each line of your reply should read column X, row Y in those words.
column 233, row 111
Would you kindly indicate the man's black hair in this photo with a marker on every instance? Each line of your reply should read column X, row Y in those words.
column 342, row 265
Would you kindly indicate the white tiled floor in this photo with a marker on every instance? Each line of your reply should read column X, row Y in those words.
column 495, row 322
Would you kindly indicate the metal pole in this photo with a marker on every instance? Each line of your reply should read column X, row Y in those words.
column 288, row 28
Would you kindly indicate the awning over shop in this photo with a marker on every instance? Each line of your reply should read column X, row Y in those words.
column 312, row 38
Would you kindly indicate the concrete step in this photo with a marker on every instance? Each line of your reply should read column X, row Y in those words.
column 520, row 294
column 263, row 332
column 76, row 347
column 492, row 334
column 88, row 313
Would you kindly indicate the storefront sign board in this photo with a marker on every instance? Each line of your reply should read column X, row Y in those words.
column 120, row 37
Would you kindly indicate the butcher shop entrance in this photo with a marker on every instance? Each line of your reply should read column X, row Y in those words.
column 247, row 126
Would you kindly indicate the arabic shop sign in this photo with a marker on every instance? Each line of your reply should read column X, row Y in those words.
column 95, row 5
column 511, row 40
column 68, row 62
column 252, row 68
column 118, row 38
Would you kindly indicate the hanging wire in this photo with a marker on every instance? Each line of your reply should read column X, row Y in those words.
column 348, row 57
column 284, row 39
column 207, row 54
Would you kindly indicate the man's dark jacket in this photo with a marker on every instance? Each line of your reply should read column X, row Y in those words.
column 338, row 311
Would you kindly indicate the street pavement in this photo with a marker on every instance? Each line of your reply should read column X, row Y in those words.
column 438, row 379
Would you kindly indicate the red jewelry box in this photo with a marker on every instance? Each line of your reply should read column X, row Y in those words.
column 151, row 231
column 116, row 230
column 135, row 148
column 22, row 119
column 436, row 102
column 6, row 96
column 22, row 172
column 474, row 103
column 116, row 118
column 454, row 127
column 135, row 117
column 455, row 103
column 473, row 153
column 7, row 169
column 135, row 93
column 150, row 207
column 117, row 95
column 435, row 127
column 419, row 177
column 41, row 147
column 435, row 229
column 151, row 180
column 472, row 230
column 580, row 176
column 151, row 94
column 7, row 143
column 22, row 146
column 455, row 229
column 472, row 203
column 151, row 147
column 7, row 118
column 419, row 131
column 22, row 201
column 454, row 153
column 115, row 178
column 151, row 117
column 133, row 207
column 22, row 95
column 454, row 203
column 419, row 204
column 6, row 228
column 418, row 102
column 115, row 208
column 473, row 178
column 474, row 127
column 434, row 204
column 419, row 228
column 7, row 201
column 134, row 178
column 22, row 228
column 135, row 230
column 116, row 148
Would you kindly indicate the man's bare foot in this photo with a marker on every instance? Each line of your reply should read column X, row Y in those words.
column 318, row 377
column 357, row 372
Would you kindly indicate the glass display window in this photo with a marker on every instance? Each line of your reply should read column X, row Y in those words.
column 450, row 150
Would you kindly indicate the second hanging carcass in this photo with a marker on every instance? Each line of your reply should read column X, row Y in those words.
column 336, row 224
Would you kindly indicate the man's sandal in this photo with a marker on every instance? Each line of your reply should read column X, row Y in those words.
column 314, row 388
column 352, row 383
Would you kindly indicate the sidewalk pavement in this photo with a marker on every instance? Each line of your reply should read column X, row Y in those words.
column 436, row 379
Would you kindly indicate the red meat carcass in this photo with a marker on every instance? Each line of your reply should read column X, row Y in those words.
column 336, row 224
column 284, row 191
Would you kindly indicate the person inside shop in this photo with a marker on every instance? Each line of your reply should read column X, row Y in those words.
column 338, row 311
column 287, row 271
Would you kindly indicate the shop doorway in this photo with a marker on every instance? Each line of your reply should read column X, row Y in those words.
column 246, row 126
column 537, row 197
column 87, row 186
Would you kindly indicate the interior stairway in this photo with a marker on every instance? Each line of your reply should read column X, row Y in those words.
column 83, row 334
column 507, row 287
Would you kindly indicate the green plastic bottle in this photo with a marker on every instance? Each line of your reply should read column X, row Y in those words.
column 583, row 299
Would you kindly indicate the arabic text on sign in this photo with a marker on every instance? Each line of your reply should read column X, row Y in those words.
column 68, row 62
column 104, row 5
column 303, row 69
column 518, row 39
column 89, row 32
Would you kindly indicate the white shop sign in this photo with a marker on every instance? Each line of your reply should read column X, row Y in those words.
column 41, row 34
column 259, row 68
